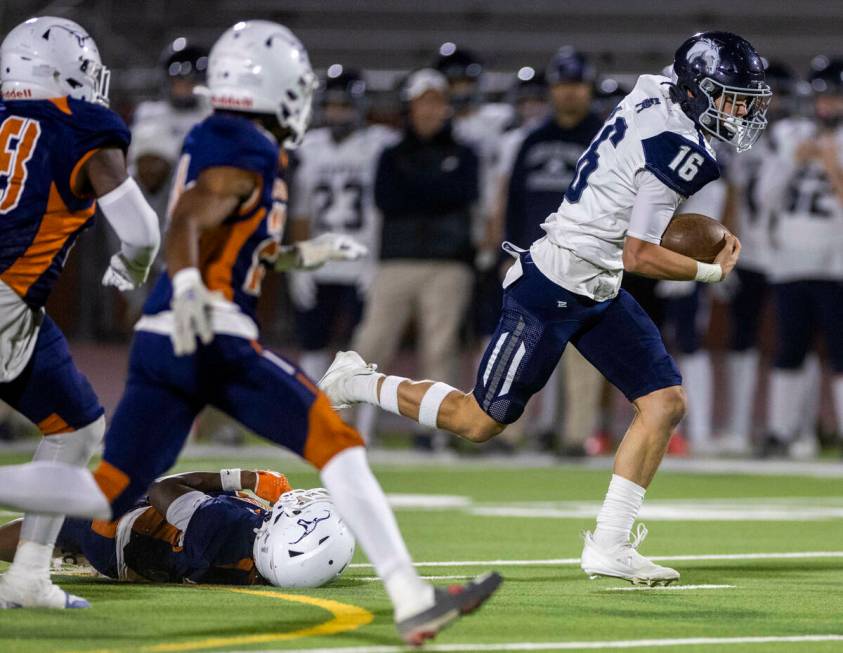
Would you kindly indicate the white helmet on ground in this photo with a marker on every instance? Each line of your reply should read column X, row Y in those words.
column 49, row 57
column 304, row 542
column 259, row 66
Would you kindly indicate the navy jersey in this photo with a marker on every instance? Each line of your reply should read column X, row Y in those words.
column 216, row 547
column 233, row 256
column 543, row 169
column 43, row 146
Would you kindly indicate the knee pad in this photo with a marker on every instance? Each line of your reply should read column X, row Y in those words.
column 74, row 448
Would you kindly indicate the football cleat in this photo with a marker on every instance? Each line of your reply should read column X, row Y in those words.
column 335, row 382
column 37, row 594
column 623, row 561
column 448, row 606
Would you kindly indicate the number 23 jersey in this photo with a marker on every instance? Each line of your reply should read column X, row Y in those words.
column 646, row 140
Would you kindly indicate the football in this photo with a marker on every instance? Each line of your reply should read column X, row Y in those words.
column 695, row 235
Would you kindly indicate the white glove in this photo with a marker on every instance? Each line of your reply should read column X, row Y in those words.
column 317, row 251
column 124, row 274
column 666, row 289
column 191, row 312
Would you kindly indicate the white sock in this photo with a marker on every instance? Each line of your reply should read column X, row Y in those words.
column 811, row 392
column 837, row 393
column 364, row 387
column 783, row 408
column 743, row 380
column 54, row 489
column 430, row 403
column 366, row 421
column 696, row 370
column 388, row 397
column 618, row 513
column 361, row 502
column 314, row 363
column 31, row 560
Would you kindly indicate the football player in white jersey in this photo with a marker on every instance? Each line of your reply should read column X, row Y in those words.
column 751, row 223
column 802, row 183
column 184, row 65
column 332, row 192
column 652, row 153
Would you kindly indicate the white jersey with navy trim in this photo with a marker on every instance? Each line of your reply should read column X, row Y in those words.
column 648, row 146
column 807, row 229
column 333, row 188
column 752, row 217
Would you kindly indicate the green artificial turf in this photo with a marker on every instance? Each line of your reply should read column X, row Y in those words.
column 537, row 603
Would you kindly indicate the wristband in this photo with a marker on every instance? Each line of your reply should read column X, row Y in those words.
column 230, row 480
column 709, row 272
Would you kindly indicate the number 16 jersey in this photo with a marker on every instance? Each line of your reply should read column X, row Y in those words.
column 646, row 140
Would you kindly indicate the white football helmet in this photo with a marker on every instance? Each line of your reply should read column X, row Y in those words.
column 304, row 542
column 49, row 57
column 259, row 66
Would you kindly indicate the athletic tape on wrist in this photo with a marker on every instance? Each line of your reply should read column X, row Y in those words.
column 230, row 480
column 389, row 393
column 709, row 272
column 432, row 400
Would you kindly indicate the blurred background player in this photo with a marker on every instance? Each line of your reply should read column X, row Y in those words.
column 426, row 187
column 544, row 167
column 749, row 222
column 197, row 341
column 63, row 155
column 802, row 181
column 184, row 65
column 333, row 191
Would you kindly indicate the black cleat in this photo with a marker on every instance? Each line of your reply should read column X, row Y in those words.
column 773, row 447
column 449, row 604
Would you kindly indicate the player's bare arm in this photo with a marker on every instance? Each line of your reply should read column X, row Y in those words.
column 267, row 485
column 657, row 262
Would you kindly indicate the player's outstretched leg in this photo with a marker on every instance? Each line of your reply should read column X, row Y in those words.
column 27, row 583
column 611, row 550
column 350, row 380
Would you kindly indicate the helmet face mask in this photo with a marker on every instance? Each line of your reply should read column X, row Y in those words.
column 721, row 118
column 720, row 84
column 303, row 542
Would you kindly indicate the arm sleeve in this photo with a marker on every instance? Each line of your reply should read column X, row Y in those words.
column 133, row 220
column 653, row 209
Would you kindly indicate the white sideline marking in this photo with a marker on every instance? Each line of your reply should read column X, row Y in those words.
column 674, row 588
column 428, row 501
column 374, row 578
column 580, row 646
column 575, row 561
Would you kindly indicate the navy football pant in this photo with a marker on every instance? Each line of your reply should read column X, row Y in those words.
column 746, row 309
column 538, row 320
column 802, row 309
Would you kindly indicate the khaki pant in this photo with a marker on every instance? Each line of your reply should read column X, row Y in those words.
column 435, row 294
column 583, row 389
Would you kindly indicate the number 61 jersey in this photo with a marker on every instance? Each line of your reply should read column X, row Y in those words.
column 647, row 136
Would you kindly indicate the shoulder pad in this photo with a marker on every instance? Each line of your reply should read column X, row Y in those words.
column 97, row 126
column 235, row 142
column 680, row 164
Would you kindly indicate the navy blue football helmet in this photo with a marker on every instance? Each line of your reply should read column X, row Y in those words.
column 717, row 74
column 569, row 65
column 343, row 86
column 826, row 79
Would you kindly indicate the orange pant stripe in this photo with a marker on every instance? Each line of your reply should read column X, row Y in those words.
column 327, row 434
column 53, row 425
column 111, row 480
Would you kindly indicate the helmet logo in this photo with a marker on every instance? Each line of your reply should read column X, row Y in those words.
column 309, row 525
column 81, row 37
column 231, row 102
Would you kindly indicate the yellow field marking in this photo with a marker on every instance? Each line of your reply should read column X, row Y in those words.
column 345, row 617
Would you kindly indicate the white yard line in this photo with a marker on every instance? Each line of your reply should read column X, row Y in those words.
column 374, row 578
column 674, row 588
column 581, row 646
column 576, row 561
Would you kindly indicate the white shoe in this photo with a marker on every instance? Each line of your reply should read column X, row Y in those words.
column 624, row 562
column 40, row 593
column 732, row 444
column 335, row 382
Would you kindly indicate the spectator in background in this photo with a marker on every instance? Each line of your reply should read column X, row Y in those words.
column 333, row 191
column 544, row 166
column 426, row 187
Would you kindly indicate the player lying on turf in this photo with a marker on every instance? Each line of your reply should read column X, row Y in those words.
column 229, row 207
column 62, row 154
column 200, row 527
column 652, row 152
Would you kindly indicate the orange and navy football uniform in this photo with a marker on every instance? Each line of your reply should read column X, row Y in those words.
column 44, row 145
column 263, row 391
column 216, row 547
